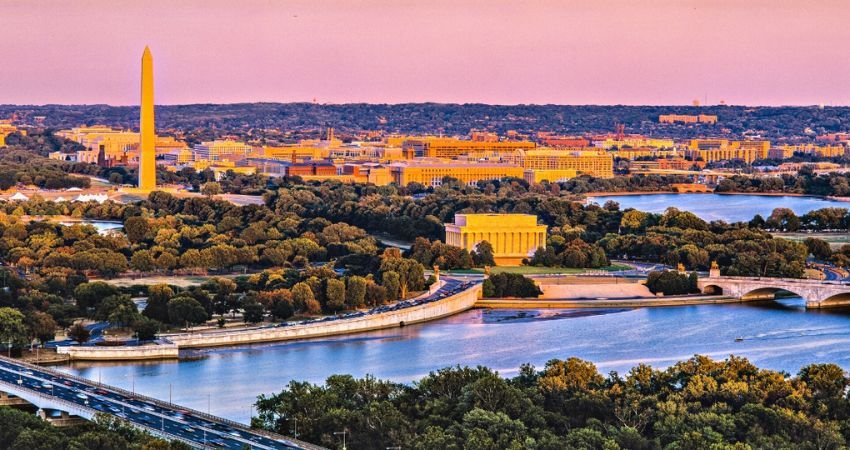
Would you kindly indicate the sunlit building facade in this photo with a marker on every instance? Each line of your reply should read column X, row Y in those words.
column 220, row 150
column 710, row 150
column 514, row 237
column 432, row 174
column 432, row 147
column 597, row 163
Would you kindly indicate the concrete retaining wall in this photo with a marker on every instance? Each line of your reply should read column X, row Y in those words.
column 416, row 314
column 519, row 303
column 593, row 291
column 165, row 351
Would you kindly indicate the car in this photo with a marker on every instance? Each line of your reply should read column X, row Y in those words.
column 46, row 385
column 28, row 372
column 67, row 383
column 189, row 429
column 234, row 433
column 115, row 409
column 100, row 391
column 82, row 396
column 149, row 408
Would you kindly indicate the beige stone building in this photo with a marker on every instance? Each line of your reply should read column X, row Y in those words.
column 513, row 236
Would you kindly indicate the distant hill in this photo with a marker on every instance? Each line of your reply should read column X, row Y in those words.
column 734, row 121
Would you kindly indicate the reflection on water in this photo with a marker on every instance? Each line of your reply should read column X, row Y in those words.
column 779, row 335
column 513, row 316
column 731, row 208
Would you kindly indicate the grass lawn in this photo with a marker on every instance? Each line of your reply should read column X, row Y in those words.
column 534, row 270
column 835, row 240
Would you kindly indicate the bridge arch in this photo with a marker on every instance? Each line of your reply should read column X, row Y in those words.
column 842, row 299
column 766, row 293
column 712, row 289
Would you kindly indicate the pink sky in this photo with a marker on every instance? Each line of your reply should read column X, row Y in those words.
column 764, row 52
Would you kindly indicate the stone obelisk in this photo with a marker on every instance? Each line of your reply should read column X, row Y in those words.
column 147, row 133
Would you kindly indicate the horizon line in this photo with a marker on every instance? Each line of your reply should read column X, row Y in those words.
column 630, row 105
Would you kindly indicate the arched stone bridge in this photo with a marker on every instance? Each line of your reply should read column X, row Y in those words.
column 816, row 293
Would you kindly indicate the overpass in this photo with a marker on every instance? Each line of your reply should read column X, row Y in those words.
column 816, row 293
column 51, row 390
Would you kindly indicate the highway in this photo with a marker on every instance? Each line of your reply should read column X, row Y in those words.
column 170, row 421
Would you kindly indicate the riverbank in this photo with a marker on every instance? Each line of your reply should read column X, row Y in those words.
column 440, row 303
column 641, row 302
column 427, row 311
column 765, row 194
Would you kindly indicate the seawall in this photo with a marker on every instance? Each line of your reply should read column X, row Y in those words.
column 142, row 352
column 422, row 313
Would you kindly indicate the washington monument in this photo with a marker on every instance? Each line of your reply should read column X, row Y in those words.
column 147, row 133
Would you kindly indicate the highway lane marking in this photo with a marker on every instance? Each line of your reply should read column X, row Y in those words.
column 174, row 421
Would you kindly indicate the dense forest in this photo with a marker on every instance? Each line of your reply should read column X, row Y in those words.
column 696, row 404
column 261, row 120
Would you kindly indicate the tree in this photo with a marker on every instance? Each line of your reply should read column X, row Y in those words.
column 392, row 284
column 411, row 274
column 79, row 333
column 41, row 326
column 282, row 309
column 143, row 261
column 819, row 248
column 211, row 188
column 90, row 295
column 146, row 328
column 13, row 329
column 136, row 228
column 376, row 295
column 186, row 310
column 510, row 285
column 783, row 219
column 355, row 292
column 483, row 254
column 634, row 221
column 252, row 311
column 157, row 303
column 335, row 294
column 118, row 309
column 670, row 282
column 302, row 297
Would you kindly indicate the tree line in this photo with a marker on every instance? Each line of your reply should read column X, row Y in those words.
column 699, row 403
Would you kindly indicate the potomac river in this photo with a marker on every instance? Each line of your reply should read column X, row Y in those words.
column 779, row 335
column 728, row 207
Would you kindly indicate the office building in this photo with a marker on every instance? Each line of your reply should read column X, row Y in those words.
column 683, row 118
column 432, row 147
column 711, row 150
column 221, row 150
column 432, row 174
column 597, row 163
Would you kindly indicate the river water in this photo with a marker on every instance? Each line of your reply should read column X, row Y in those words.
column 728, row 207
column 780, row 335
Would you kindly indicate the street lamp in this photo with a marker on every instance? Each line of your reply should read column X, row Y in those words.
column 343, row 433
column 295, row 432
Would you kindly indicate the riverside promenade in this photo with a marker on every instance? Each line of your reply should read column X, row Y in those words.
column 450, row 297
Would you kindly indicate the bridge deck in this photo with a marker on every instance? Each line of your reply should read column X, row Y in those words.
column 198, row 429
